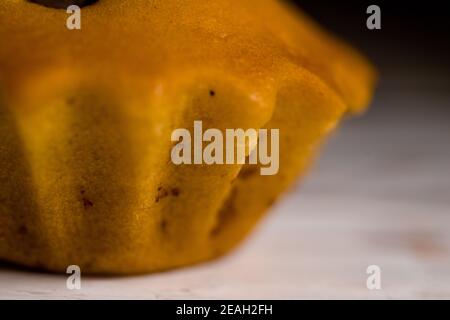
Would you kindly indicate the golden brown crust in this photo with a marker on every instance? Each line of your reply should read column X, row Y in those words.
column 88, row 115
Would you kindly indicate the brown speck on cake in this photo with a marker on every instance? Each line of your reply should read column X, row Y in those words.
column 248, row 172
column 163, row 225
column 87, row 203
column 23, row 230
column 161, row 194
column 175, row 192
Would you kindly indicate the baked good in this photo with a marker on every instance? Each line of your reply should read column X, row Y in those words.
column 86, row 118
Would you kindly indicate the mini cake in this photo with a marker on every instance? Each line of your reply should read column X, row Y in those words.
column 86, row 117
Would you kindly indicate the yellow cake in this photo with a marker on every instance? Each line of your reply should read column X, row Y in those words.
column 86, row 118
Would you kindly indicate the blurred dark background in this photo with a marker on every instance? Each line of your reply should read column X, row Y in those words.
column 411, row 50
column 420, row 29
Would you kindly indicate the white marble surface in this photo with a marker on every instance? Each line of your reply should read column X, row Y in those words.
column 379, row 195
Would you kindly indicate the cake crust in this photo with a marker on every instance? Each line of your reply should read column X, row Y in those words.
column 86, row 117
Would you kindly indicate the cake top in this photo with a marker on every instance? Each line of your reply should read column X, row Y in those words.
column 260, row 42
